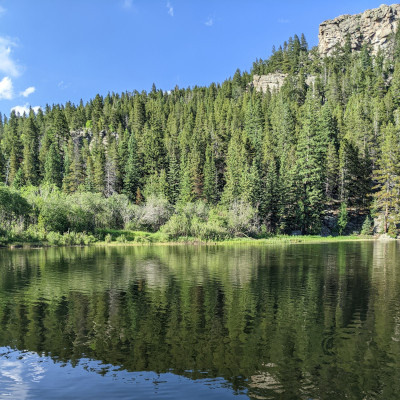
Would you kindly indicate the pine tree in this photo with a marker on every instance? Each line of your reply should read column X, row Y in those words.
column 173, row 177
column 387, row 175
column 52, row 167
column 31, row 150
column 210, row 177
column 331, row 172
column 311, row 153
column 235, row 166
column 132, row 172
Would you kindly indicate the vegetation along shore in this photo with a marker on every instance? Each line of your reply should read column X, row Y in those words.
column 316, row 154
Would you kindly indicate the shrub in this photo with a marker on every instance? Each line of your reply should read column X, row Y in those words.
column 342, row 219
column 121, row 239
column 242, row 218
column 367, row 226
column 54, row 238
column 108, row 238
column 154, row 213
column 178, row 225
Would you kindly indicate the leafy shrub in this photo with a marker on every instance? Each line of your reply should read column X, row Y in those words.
column 367, row 226
column 54, row 238
column 108, row 238
column 242, row 218
column 154, row 213
column 342, row 219
column 121, row 239
column 13, row 207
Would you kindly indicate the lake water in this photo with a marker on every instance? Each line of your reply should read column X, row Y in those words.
column 306, row 321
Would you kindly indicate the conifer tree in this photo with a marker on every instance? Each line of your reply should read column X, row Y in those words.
column 132, row 173
column 387, row 175
column 98, row 169
column 311, row 153
column 31, row 150
column 52, row 167
column 210, row 177
column 173, row 177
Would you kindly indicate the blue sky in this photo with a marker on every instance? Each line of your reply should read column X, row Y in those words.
column 53, row 51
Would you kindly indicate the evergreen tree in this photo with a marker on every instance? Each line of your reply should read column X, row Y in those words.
column 210, row 177
column 52, row 167
column 387, row 175
column 311, row 153
column 31, row 150
column 132, row 173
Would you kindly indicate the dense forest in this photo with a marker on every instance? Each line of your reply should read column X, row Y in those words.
column 218, row 161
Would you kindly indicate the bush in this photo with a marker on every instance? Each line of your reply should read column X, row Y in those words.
column 13, row 207
column 70, row 238
column 178, row 225
column 367, row 226
column 342, row 219
column 154, row 213
column 242, row 219
column 54, row 238
column 121, row 239
column 108, row 238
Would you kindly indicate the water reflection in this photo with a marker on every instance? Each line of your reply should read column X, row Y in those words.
column 303, row 321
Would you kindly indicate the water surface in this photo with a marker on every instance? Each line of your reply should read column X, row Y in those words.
column 308, row 321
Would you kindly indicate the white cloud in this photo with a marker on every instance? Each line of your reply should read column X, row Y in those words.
column 28, row 91
column 127, row 4
column 6, row 88
column 209, row 22
column 170, row 9
column 7, row 65
column 25, row 109
column 2, row 10
column 283, row 21
column 63, row 85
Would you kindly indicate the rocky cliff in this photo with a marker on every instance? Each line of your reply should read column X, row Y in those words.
column 274, row 82
column 376, row 27
column 271, row 82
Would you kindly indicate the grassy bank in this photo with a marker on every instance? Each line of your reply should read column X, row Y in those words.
column 115, row 237
column 140, row 238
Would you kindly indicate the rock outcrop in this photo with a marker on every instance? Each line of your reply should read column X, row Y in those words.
column 274, row 82
column 271, row 82
column 377, row 27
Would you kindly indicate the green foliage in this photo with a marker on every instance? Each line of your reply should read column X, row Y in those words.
column 342, row 219
column 367, row 226
column 276, row 160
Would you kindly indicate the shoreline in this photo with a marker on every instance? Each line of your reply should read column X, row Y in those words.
column 275, row 240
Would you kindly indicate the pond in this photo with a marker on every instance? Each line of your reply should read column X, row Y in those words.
column 305, row 321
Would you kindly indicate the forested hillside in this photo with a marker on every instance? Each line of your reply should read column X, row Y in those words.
column 214, row 161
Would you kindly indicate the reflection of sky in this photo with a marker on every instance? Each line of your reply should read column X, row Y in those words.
column 25, row 375
column 16, row 375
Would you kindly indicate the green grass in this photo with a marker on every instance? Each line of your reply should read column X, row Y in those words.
column 140, row 237
column 116, row 237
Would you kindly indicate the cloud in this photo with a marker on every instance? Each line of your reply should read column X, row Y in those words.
column 170, row 9
column 21, row 110
column 6, row 88
column 209, row 22
column 7, row 65
column 63, row 85
column 2, row 10
column 283, row 21
column 28, row 91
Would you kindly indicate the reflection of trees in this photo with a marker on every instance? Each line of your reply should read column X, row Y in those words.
column 315, row 320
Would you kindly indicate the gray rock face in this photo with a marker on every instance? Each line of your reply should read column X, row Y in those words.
column 271, row 82
column 274, row 82
column 376, row 27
